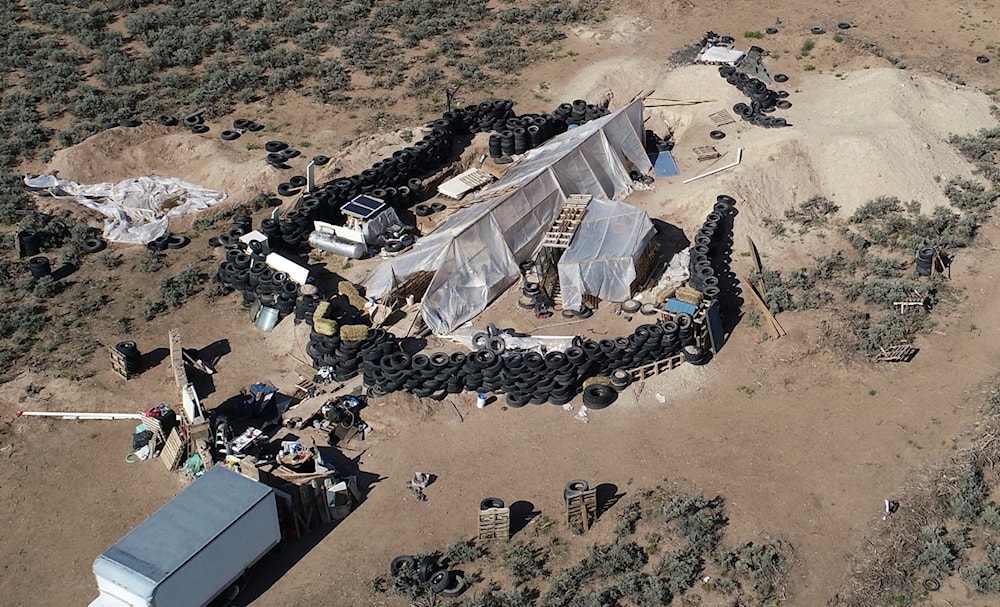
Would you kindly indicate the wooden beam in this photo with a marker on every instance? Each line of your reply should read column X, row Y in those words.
column 778, row 330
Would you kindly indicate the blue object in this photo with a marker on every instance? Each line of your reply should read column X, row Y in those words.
column 681, row 307
column 663, row 164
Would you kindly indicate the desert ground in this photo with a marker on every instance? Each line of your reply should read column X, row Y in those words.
column 802, row 444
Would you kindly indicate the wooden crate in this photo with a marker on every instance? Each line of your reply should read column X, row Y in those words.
column 120, row 366
column 173, row 450
column 562, row 230
column 657, row 367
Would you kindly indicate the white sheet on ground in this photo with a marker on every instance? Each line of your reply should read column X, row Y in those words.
column 137, row 210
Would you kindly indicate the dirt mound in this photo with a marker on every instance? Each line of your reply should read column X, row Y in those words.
column 203, row 160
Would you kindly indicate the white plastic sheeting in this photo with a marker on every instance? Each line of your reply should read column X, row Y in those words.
column 134, row 207
column 475, row 252
column 602, row 256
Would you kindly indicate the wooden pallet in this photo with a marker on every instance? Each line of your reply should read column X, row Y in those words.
column 706, row 152
column 581, row 508
column 901, row 353
column 656, row 367
column 173, row 450
column 561, row 233
column 722, row 118
column 494, row 524
column 120, row 366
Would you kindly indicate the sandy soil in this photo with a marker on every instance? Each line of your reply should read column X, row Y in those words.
column 801, row 446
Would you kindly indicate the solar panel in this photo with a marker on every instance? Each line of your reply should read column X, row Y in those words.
column 363, row 207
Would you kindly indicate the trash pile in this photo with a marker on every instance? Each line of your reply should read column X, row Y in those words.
column 763, row 100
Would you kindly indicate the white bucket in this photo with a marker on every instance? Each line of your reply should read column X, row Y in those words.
column 481, row 400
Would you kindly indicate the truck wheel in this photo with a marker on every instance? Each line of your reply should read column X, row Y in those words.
column 456, row 587
column 401, row 562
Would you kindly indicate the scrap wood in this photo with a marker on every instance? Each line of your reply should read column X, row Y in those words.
column 755, row 256
column 739, row 158
column 776, row 327
column 458, row 413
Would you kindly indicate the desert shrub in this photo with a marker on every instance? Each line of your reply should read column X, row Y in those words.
column 123, row 326
column 642, row 589
column 565, row 587
column 424, row 81
column 12, row 198
column 629, row 516
column 524, row 562
column 969, row 195
column 970, row 495
column 681, row 569
column 110, row 260
column 153, row 262
column 993, row 553
column 407, row 583
column 876, row 209
column 176, row 289
column 24, row 318
column 990, row 516
column 699, row 520
column 151, row 309
column 885, row 291
column 615, row 558
column 937, row 558
column 47, row 287
column 493, row 596
column 462, row 551
column 762, row 565
column 814, row 211
column 90, row 304
column 982, row 577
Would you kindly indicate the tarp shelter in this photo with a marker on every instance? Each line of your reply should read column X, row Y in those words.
column 601, row 259
column 474, row 253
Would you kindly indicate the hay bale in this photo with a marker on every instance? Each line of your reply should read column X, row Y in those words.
column 665, row 294
column 689, row 295
column 348, row 290
column 599, row 379
column 353, row 332
column 321, row 324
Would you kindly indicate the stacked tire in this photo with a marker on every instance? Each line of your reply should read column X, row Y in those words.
column 709, row 261
column 925, row 260
column 348, row 357
column 763, row 100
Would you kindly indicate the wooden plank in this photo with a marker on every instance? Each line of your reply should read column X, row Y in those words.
column 172, row 451
column 776, row 327
column 177, row 358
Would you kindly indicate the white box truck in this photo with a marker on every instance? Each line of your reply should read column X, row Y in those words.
column 194, row 548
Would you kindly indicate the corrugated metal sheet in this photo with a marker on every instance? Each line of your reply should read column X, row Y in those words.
column 678, row 306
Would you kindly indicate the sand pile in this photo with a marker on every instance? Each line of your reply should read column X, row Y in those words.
column 878, row 132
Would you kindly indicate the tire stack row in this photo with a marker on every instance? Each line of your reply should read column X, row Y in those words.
column 763, row 100
column 248, row 274
column 486, row 117
column 578, row 112
column 348, row 357
column 529, row 377
column 711, row 245
column 306, row 303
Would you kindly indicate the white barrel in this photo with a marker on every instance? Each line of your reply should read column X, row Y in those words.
column 332, row 244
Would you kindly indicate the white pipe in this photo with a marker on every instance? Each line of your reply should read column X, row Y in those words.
column 75, row 415
column 739, row 157
column 310, row 182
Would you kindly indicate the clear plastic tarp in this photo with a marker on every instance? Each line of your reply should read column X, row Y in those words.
column 474, row 254
column 601, row 258
column 137, row 210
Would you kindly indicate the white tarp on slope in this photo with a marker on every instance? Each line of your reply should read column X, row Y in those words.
column 601, row 258
column 134, row 207
column 475, row 252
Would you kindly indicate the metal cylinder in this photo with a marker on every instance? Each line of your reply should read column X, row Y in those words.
column 332, row 244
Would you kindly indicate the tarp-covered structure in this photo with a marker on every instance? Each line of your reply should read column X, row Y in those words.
column 601, row 260
column 474, row 254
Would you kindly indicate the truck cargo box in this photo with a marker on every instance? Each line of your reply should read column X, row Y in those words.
column 194, row 547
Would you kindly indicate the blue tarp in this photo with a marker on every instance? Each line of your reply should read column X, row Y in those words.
column 663, row 164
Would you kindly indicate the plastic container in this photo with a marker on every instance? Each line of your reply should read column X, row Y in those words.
column 481, row 400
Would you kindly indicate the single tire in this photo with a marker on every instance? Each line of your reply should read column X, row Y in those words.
column 422, row 210
column 177, row 241
column 297, row 181
column 575, row 486
column 130, row 123
column 480, row 339
column 496, row 345
column 401, row 562
column 817, row 30
column 289, row 153
column 490, row 502
column 167, row 120
column 983, row 59
column 228, row 135
column 631, row 306
column 321, row 160
column 437, row 207
column 648, row 309
column 456, row 588
column 780, row 78
column 783, row 104
column 275, row 146
column 426, row 568
column 286, row 189
column 241, row 124
column 394, row 246
column 200, row 129
column 599, row 396
column 771, row 31
column 93, row 245
column 931, row 584
column 191, row 121
column 439, row 581
column 844, row 25
column 253, row 127
column 717, row 135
